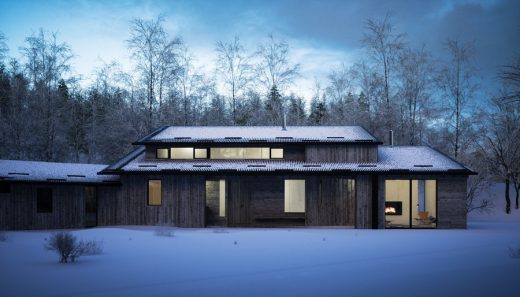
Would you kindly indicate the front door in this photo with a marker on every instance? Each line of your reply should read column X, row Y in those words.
column 215, row 202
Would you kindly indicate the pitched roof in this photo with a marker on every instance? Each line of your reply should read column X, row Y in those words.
column 171, row 134
column 36, row 171
column 419, row 159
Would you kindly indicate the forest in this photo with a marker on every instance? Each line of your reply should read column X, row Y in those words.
column 49, row 113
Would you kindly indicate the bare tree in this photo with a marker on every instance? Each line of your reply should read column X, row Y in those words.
column 274, row 67
column 384, row 46
column 155, row 55
column 234, row 67
column 3, row 47
column 500, row 148
column 511, row 76
column 456, row 81
column 416, row 82
column 48, row 61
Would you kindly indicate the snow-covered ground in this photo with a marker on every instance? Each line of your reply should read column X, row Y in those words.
column 274, row 262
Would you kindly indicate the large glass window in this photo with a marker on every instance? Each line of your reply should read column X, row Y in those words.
column 181, row 153
column 44, row 200
column 239, row 153
column 201, row 153
column 277, row 153
column 410, row 203
column 162, row 153
column 215, row 201
column 424, row 203
column 154, row 192
column 294, row 195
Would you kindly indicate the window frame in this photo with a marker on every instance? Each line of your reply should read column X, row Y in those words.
column 304, row 195
column 39, row 206
column 200, row 148
column 162, row 148
column 183, row 147
column 148, row 192
column 276, row 148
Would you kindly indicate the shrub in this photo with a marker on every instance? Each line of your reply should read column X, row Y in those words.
column 67, row 246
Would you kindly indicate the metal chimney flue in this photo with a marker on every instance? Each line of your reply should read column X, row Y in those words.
column 391, row 137
column 284, row 124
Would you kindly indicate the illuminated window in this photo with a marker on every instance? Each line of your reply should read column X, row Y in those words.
column 181, row 153
column 44, row 200
column 154, row 192
column 240, row 153
column 277, row 153
column 201, row 153
column 294, row 195
column 162, row 153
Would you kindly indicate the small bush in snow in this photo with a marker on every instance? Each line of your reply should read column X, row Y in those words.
column 3, row 236
column 514, row 253
column 164, row 230
column 67, row 246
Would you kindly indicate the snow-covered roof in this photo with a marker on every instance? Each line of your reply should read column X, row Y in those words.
column 259, row 133
column 53, row 172
column 418, row 159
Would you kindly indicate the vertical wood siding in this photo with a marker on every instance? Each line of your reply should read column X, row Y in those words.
column 355, row 153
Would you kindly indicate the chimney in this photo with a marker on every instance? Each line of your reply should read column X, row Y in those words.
column 391, row 138
column 284, row 125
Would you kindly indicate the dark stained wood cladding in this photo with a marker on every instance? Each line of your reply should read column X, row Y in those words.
column 364, row 202
column 451, row 199
column 18, row 208
column 182, row 202
column 330, row 201
column 352, row 153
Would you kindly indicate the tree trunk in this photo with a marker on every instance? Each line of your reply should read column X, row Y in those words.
column 517, row 188
column 508, row 200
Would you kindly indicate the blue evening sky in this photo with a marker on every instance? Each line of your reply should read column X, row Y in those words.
column 322, row 34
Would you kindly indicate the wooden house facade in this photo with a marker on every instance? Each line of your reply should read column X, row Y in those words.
column 256, row 177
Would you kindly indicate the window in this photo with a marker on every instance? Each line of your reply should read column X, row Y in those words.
column 277, row 153
column 44, row 200
column 410, row 203
column 294, row 195
column 239, row 153
column 201, row 153
column 181, row 152
column 162, row 153
column 5, row 188
column 154, row 192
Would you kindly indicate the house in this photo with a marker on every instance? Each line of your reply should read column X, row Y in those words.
column 250, row 176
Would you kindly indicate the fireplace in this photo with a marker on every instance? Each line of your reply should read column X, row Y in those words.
column 393, row 208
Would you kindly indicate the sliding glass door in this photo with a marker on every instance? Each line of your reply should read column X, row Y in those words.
column 410, row 203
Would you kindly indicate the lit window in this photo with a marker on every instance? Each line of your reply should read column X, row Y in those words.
column 277, row 153
column 44, row 200
column 162, row 153
column 201, row 153
column 181, row 153
column 294, row 195
column 222, row 198
column 240, row 153
column 154, row 192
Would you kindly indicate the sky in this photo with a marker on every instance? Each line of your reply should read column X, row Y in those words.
column 322, row 34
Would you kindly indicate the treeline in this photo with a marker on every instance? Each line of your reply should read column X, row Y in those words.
column 48, row 113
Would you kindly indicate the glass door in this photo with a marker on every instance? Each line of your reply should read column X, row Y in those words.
column 424, row 203
column 397, row 203
column 411, row 203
